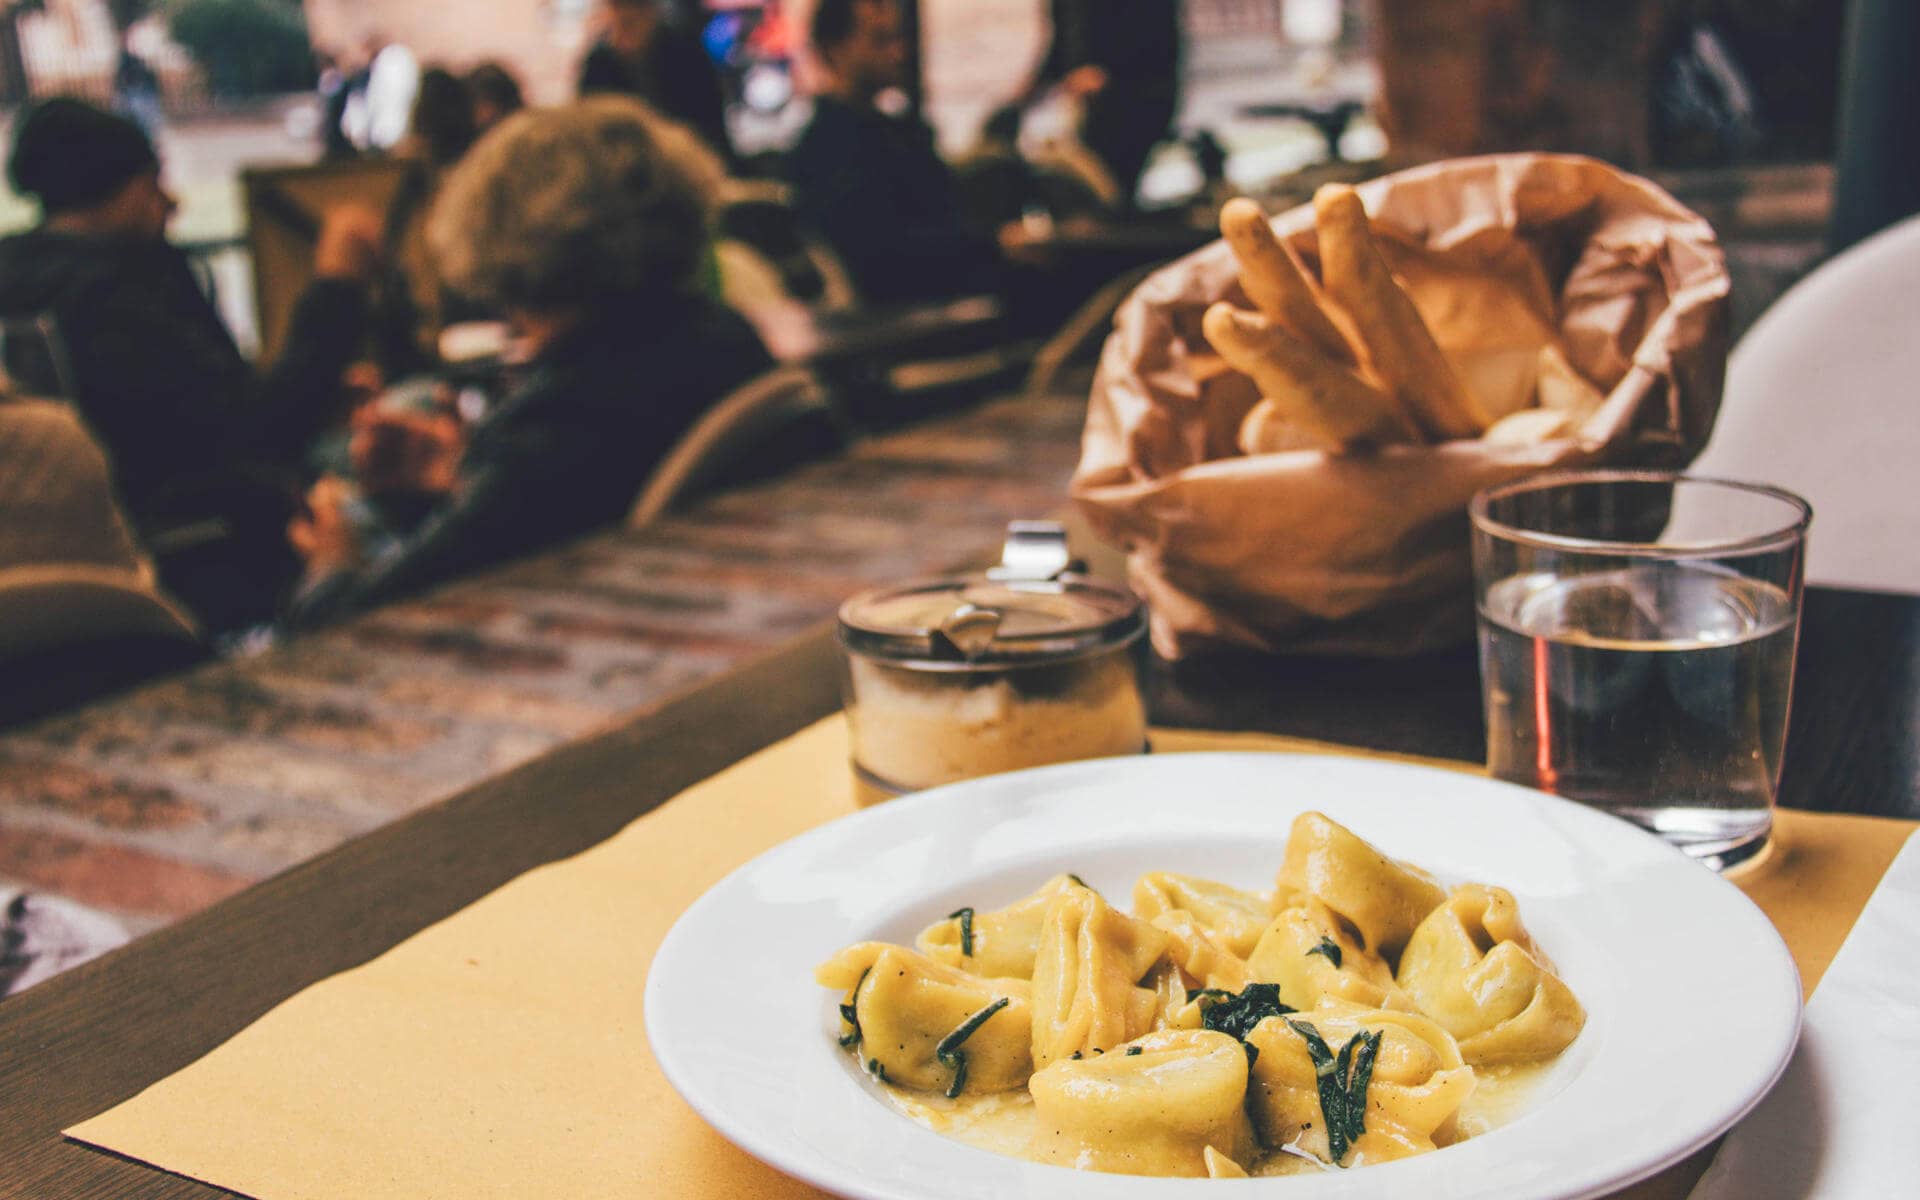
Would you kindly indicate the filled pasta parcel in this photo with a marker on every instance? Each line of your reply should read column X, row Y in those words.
column 1358, row 1010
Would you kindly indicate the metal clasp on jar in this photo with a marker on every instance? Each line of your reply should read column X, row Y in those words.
column 1034, row 552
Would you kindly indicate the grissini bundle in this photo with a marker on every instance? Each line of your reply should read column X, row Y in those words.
column 1400, row 349
column 1353, row 364
column 1327, row 402
column 1274, row 280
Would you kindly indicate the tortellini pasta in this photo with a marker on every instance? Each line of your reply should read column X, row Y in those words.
column 1151, row 1107
column 1086, row 977
column 1417, row 1082
column 1474, row 969
column 910, row 1017
column 1219, row 1166
column 1199, row 957
column 1309, row 952
column 1232, row 918
column 1001, row 943
column 1214, row 1032
column 1381, row 898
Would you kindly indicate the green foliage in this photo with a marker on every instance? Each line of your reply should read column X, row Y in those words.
column 246, row 47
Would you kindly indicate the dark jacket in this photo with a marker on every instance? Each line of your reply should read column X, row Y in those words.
column 874, row 187
column 566, row 450
column 155, row 373
column 675, row 76
column 1137, row 42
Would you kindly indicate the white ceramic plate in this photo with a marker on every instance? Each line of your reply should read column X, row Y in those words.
column 1693, row 1002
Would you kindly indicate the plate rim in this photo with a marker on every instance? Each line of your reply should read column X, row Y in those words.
column 682, row 1077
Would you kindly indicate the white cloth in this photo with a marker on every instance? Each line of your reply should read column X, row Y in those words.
column 392, row 85
column 1840, row 1123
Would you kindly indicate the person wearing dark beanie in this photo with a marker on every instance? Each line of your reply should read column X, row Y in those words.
column 192, row 432
column 70, row 155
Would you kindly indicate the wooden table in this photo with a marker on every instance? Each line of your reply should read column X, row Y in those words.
column 1853, row 744
column 90, row 1038
column 152, row 804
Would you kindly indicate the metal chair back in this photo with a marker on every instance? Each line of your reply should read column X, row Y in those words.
column 753, row 417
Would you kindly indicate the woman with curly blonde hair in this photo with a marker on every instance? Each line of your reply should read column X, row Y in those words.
column 587, row 226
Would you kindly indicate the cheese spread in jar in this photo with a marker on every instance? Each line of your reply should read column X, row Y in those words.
column 956, row 678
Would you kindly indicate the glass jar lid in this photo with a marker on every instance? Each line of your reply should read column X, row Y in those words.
column 970, row 622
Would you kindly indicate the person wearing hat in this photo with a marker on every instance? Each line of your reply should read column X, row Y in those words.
column 191, row 430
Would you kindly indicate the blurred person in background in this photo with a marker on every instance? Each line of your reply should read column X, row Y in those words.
column 334, row 83
column 442, row 125
column 643, row 54
column 495, row 94
column 192, row 431
column 872, row 183
column 136, row 88
column 587, row 226
column 1120, row 59
column 409, row 307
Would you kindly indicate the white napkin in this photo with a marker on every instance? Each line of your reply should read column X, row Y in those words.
column 1841, row 1122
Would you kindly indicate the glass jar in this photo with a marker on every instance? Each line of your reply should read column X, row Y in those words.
column 954, row 678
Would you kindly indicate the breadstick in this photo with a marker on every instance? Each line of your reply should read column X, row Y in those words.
column 1266, row 429
column 1562, row 387
column 1274, row 281
column 1323, row 399
column 1530, row 427
column 1400, row 348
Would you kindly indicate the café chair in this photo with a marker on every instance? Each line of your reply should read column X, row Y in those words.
column 837, row 293
column 33, row 357
column 800, row 297
column 896, row 363
column 996, row 184
column 1819, row 400
column 765, row 425
column 1088, row 325
column 1058, row 154
column 80, row 609
column 757, row 223
column 975, row 371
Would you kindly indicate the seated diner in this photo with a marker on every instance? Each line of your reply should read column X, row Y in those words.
column 871, row 182
column 586, row 225
column 192, row 430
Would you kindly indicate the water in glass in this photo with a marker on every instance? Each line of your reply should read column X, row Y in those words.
column 1657, row 692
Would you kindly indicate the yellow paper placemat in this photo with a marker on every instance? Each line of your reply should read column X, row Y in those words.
column 500, row 1053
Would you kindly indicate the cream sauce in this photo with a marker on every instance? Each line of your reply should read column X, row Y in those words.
column 1003, row 1122
column 1499, row 1095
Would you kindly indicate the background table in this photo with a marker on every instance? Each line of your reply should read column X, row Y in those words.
column 1853, row 744
column 152, row 804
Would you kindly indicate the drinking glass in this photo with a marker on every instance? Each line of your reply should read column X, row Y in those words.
column 1637, row 634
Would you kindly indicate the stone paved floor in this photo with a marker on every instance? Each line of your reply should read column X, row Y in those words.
column 157, row 803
